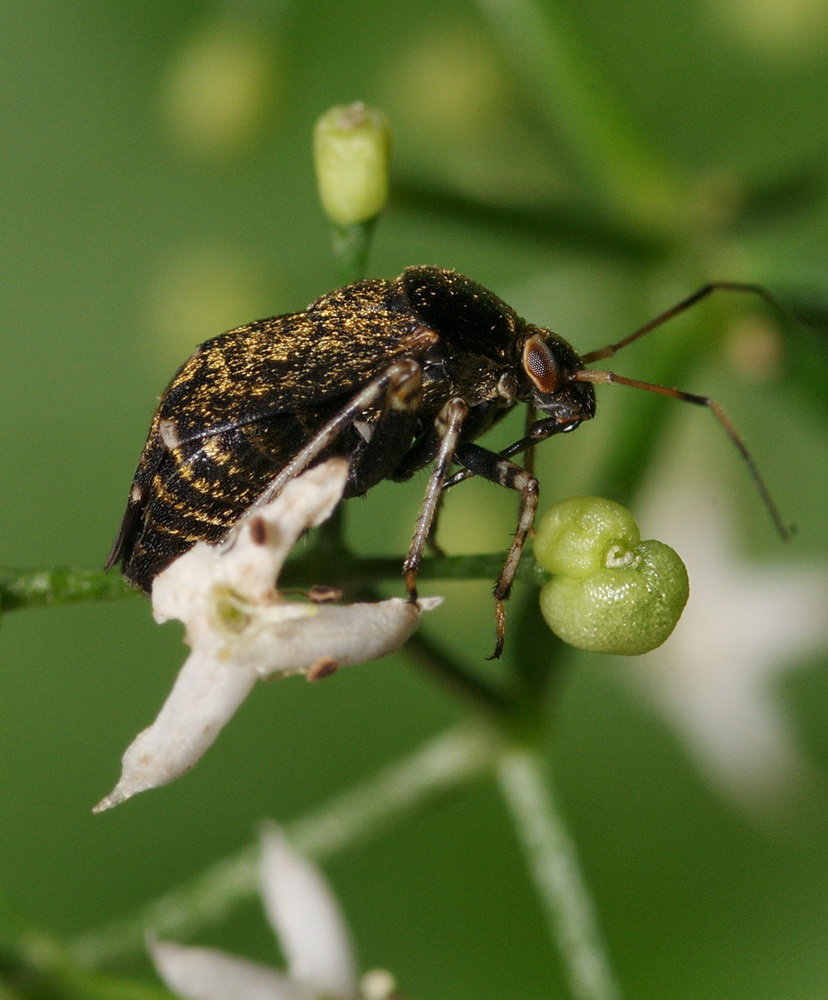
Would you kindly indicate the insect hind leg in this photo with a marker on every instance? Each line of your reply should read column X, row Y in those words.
column 389, row 436
column 402, row 373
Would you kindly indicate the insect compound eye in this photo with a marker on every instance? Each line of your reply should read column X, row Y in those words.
column 540, row 365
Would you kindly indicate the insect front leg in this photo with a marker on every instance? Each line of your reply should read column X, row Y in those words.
column 448, row 425
column 499, row 470
column 539, row 430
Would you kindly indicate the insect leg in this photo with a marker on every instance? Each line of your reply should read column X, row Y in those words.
column 537, row 431
column 448, row 425
column 434, row 546
column 501, row 471
column 528, row 456
column 391, row 379
column 388, row 437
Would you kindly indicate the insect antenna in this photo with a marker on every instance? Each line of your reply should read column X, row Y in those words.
column 676, row 310
column 608, row 378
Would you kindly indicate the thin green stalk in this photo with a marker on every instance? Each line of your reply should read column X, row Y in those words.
column 566, row 224
column 553, row 863
column 351, row 245
column 604, row 143
column 346, row 569
column 32, row 588
column 445, row 764
column 42, row 967
column 475, row 691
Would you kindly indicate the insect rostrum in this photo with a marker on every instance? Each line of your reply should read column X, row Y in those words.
column 392, row 375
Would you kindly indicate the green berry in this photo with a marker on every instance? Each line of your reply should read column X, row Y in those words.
column 611, row 592
column 574, row 535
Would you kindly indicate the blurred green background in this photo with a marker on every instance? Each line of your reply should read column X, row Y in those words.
column 158, row 190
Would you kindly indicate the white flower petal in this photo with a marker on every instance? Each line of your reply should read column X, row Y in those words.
column 207, row 692
column 744, row 624
column 267, row 533
column 249, row 563
column 307, row 919
column 240, row 628
column 345, row 635
column 205, row 974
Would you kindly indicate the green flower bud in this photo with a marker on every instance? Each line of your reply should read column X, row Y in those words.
column 352, row 146
column 611, row 592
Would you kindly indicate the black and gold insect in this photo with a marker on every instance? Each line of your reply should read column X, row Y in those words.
column 393, row 376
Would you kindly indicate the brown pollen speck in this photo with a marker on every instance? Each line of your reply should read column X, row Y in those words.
column 319, row 594
column 323, row 668
column 258, row 531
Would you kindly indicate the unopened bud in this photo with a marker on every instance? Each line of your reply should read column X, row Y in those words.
column 352, row 145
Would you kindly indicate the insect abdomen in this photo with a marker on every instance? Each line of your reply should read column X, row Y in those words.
column 197, row 490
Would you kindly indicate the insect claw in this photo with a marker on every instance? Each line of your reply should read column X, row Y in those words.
column 411, row 585
column 500, row 621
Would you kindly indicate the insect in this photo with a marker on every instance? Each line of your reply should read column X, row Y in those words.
column 394, row 376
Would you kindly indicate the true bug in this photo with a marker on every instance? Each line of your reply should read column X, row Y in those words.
column 394, row 375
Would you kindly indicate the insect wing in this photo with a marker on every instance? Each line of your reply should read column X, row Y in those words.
column 281, row 365
column 260, row 388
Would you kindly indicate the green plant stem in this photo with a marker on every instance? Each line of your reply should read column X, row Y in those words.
column 443, row 765
column 350, row 249
column 44, row 968
column 32, row 588
column 308, row 570
column 567, row 224
column 604, row 144
column 553, row 862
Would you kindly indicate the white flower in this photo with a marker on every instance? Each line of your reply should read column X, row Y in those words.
column 241, row 629
column 312, row 933
column 745, row 623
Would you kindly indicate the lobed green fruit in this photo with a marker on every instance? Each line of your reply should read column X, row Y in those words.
column 611, row 593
